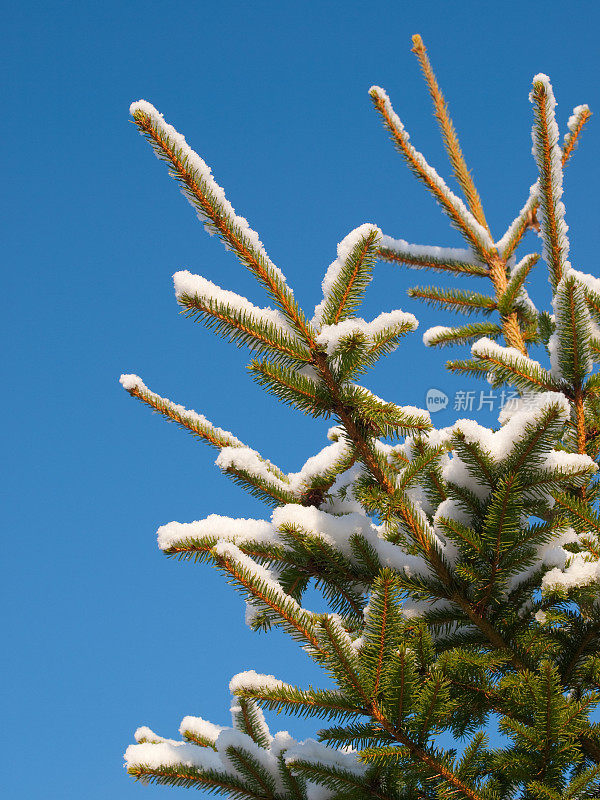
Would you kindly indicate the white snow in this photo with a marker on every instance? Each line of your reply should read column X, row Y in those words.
column 321, row 463
column 500, row 442
column 527, row 400
column 485, row 347
column 589, row 281
column 229, row 551
column 449, row 508
column 224, row 528
column 573, row 121
column 167, row 753
column 393, row 556
column 431, row 335
column 200, row 728
column 579, row 571
column 341, row 499
column 186, row 283
column 569, row 462
column 251, row 680
column 129, row 382
column 144, row 734
column 334, row 530
column 330, row 335
column 171, row 754
column 428, row 253
column 247, row 460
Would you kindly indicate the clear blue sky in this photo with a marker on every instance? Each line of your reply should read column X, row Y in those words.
column 101, row 632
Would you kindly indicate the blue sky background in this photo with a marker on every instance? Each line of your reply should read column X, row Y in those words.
column 101, row 632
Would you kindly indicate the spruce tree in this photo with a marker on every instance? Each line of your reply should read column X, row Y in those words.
column 460, row 566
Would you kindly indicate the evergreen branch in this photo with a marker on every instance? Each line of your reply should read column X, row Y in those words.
column 455, row 627
column 195, row 423
column 438, row 259
column 189, row 777
column 432, row 694
column 209, row 200
column 366, row 555
column 385, row 419
column 363, row 447
column 334, row 778
column 294, row 784
column 324, row 469
column 581, row 114
column 342, row 659
column 510, row 322
column 457, row 160
column 548, row 157
column 458, row 300
column 581, row 516
column 474, row 233
column 436, row 767
column 519, row 274
column 382, row 629
column 332, row 570
column 259, row 585
column 385, row 341
column 291, row 387
column 501, row 527
column 355, row 734
column 471, row 367
column 320, row 703
column 441, row 336
column 267, row 482
column 243, row 328
column 248, row 717
column 482, row 465
column 202, row 737
column 580, row 785
column 434, row 485
column 459, row 533
column 252, row 770
column 527, row 454
column 590, row 637
column 510, row 366
column 256, row 479
column 348, row 277
column 572, row 357
column 551, row 718
column 527, row 217
column 198, row 548
column 424, row 462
